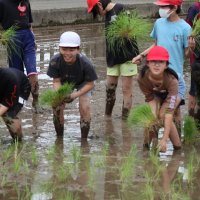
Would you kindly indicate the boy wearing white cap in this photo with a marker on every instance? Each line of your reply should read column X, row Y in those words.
column 70, row 66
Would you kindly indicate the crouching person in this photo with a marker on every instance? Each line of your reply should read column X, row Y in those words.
column 14, row 90
column 159, row 84
column 70, row 66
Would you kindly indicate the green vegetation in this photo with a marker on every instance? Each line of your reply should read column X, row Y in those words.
column 7, row 38
column 142, row 116
column 54, row 98
column 127, row 27
column 190, row 130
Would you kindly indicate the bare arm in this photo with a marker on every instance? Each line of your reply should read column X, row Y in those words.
column 191, row 46
column 86, row 88
column 56, row 83
column 3, row 109
column 138, row 58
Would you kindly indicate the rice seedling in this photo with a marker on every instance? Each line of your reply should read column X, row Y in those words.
column 142, row 116
column 100, row 158
column 34, row 156
column 192, row 166
column 127, row 27
column 127, row 168
column 51, row 153
column 190, row 130
column 76, row 154
column 23, row 193
column 157, row 166
column 8, row 39
column 69, row 196
column 148, row 192
column 63, row 173
column 54, row 98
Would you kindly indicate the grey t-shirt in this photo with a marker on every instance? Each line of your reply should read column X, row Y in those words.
column 79, row 73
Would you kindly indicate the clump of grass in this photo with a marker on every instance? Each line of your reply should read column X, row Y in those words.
column 54, row 98
column 142, row 116
column 8, row 39
column 127, row 168
column 127, row 27
column 148, row 190
column 190, row 130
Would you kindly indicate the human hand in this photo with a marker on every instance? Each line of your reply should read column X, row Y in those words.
column 137, row 60
column 191, row 43
column 68, row 99
column 162, row 145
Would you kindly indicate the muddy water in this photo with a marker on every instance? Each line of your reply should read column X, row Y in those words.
column 110, row 165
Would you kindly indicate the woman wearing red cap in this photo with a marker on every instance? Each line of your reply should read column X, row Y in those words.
column 172, row 32
column 159, row 84
column 118, row 63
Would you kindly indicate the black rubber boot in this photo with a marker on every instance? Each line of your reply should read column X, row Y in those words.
column 110, row 98
column 85, row 128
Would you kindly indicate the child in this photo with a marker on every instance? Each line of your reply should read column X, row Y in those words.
column 18, row 13
column 15, row 89
column 159, row 84
column 117, row 62
column 70, row 66
column 172, row 33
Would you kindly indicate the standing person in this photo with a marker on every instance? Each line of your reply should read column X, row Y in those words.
column 159, row 84
column 70, row 66
column 193, row 12
column 15, row 89
column 172, row 32
column 117, row 62
column 18, row 13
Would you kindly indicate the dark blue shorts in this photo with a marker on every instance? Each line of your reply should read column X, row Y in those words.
column 25, row 54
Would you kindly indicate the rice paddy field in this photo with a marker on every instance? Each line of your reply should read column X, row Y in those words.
column 111, row 164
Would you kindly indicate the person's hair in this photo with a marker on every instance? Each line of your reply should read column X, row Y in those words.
column 95, row 10
column 178, row 11
column 105, row 3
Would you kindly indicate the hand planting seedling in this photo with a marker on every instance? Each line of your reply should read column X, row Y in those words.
column 55, row 98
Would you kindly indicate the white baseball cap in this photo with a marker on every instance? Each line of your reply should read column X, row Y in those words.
column 69, row 39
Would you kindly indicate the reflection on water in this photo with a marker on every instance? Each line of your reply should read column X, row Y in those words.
column 104, row 167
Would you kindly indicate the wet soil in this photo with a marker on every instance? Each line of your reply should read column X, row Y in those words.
column 45, row 167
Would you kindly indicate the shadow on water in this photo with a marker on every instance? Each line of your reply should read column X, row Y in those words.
column 110, row 165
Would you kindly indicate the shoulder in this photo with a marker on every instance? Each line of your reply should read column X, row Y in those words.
column 118, row 8
column 84, row 60
column 55, row 59
column 171, row 75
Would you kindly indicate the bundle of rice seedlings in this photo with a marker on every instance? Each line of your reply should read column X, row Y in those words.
column 7, row 39
column 54, row 98
column 190, row 130
column 127, row 27
column 142, row 116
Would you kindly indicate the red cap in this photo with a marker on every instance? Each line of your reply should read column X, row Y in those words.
column 168, row 2
column 91, row 4
column 158, row 53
